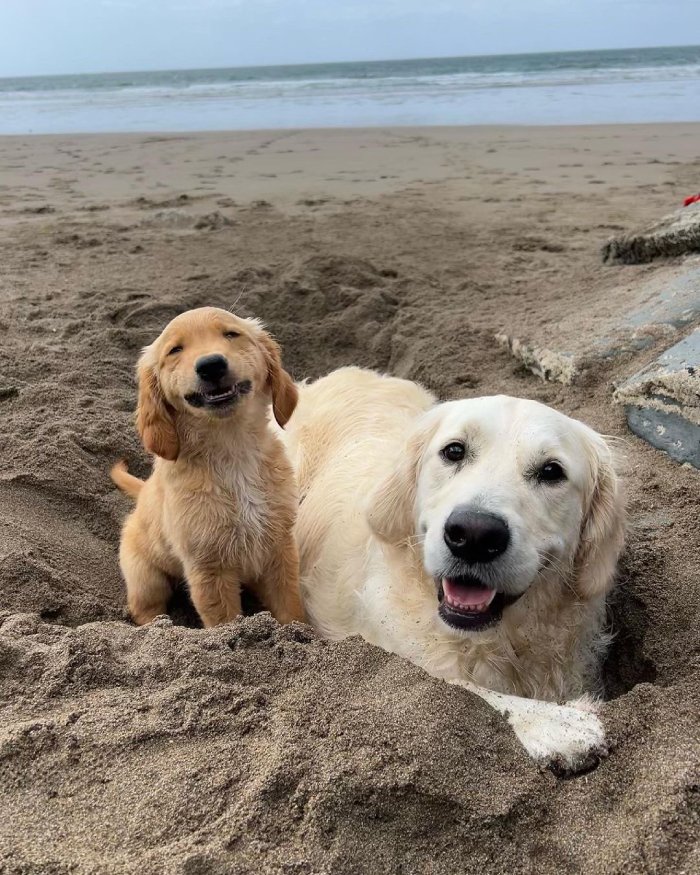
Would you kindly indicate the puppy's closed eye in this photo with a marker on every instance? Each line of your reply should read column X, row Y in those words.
column 174, row 350
column 231, row 335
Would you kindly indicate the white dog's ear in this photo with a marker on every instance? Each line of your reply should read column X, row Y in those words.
column 603, row 527
column 391, row 506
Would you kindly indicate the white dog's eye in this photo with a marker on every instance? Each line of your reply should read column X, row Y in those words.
column 454, row 452
column 230, row 335
column 174, row 349
column 551, row 472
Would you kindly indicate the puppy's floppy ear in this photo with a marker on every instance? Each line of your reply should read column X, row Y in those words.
column 392, row 505
column 154, row 417
column 603, row 526
column 284, row 392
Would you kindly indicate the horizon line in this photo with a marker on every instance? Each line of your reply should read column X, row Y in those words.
column 356, row 61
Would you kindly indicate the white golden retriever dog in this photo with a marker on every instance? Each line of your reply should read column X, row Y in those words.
column 477, row 538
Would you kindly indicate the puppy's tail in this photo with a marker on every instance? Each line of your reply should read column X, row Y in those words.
column 125, row 481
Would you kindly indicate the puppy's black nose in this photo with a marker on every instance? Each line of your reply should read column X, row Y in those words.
column 211, row 368
column 476, row 536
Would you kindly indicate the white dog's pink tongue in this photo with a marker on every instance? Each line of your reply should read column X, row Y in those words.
column 467, row 598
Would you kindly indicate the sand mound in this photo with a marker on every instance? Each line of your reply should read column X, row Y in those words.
column 252, row 748
column 256, row 748
column 222, row 746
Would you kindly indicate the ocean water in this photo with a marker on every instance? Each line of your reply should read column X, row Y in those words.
column 630, row 85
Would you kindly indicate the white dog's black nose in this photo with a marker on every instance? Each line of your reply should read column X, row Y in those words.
column 211, row 368
column 475, row 536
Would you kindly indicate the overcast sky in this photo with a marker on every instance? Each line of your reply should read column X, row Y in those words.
column 70, row 36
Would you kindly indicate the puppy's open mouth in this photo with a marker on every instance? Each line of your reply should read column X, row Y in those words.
column 466, row 603
column 219, row 398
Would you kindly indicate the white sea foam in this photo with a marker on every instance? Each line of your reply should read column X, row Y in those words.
column 569, row 88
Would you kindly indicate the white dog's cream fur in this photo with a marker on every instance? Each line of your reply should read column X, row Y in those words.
column 376, row 493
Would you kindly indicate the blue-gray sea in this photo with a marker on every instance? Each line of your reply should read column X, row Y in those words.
column 629, row 85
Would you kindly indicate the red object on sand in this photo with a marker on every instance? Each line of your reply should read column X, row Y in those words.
column 693, row 199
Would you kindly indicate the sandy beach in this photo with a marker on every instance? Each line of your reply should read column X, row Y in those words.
column 254, row 748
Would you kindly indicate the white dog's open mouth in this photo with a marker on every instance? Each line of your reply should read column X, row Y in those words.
column 466, row 603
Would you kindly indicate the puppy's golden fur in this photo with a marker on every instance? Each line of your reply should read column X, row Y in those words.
column 220, row 505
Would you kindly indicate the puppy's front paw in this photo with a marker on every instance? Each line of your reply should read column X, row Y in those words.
column 569, row 739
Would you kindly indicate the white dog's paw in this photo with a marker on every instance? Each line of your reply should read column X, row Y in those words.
column 566, row 738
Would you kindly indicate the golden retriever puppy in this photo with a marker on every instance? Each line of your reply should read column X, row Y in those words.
column 477, row 538
column 220, row 505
